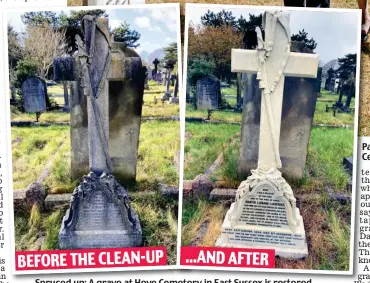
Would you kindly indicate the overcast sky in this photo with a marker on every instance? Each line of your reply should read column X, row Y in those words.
column 335, row 32
column 157, row 25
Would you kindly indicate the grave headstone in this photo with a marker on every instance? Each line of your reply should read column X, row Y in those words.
column 300, row 96
column 155, row 63
column 169, row 65
column 34, row 95
column 208, row 92
column 150, row 73
column 100, row 214
column 66, row 97
column 264, row 214
column 125, row 90
column 175, row 99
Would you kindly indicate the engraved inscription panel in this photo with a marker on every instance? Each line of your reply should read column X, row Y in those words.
column 264, row 208
column 254, row 237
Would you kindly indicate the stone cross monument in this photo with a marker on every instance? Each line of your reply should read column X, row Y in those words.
column 264, row 214
column 100, row 214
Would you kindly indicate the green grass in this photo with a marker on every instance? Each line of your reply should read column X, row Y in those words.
column 32, row 148
column 158, row 219
column 50, row 117
column 202, row 149
column 326, row 151
column 158, row 109
column 159, row 142
column 225, row 116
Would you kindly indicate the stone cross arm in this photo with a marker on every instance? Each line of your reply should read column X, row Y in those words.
column 299, row 64
column 124, row 64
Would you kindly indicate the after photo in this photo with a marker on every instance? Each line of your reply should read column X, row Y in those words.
column 271, row 133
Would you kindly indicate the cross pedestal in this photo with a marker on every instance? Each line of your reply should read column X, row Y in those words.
column 264, row 214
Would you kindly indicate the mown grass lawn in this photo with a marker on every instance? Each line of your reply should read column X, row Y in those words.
column 320, row 116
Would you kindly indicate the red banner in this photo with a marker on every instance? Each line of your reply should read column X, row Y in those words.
column 227, row 257
column 90, row 258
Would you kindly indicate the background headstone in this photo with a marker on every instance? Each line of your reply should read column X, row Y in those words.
column 34, row 95
column 208, row 92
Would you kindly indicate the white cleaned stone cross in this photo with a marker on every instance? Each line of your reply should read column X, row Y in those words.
column 279, row 63
column 264, row 214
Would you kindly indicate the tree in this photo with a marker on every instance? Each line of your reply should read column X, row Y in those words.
column 213, row 44
column 197, row 69
column 347, row 66
column 41, row 44
column 124, row 34
column 302, row 36
column 41, row 18
column 222, row 18
column 170, row 52
column 15, row 51
column 70, row 25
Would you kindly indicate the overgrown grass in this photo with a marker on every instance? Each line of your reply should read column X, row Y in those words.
column 204, row 145
column 327, row 226
column 32, row 148
column 158, row 146
column 59, row 180
column 158, row 219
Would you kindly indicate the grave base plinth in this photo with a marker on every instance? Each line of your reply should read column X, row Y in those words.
column 264, row 215
column 100, row 216
column 174, row 100
column 166, row 96
column 285, row 243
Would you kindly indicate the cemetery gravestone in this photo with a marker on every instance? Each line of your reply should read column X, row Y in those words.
column 208, row 92
column 100, row 214
column 300, row 96
column 125, row 91
column 34, row 95
column 150, row 73
column 175, row 99
column 156, row 63
column 264, row 214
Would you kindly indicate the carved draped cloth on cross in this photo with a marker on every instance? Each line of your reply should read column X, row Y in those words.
column 100, row 214
column 264, row 50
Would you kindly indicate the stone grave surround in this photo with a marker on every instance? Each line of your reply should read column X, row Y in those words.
column 208, row 92
column 264, row 214
column 34, row 92
column 125, row 89
column 100, row 214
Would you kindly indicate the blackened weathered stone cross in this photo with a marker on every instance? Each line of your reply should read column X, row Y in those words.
column 100, row 214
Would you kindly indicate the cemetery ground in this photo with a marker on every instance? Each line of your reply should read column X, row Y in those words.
column 326, row 215
column 35, row 147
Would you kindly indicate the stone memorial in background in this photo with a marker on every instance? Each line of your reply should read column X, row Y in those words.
column 264, row 214
column 150, row 73
column 208, row 92
column 34, row 93
column 100, row 214
column 175, row 99
column 169, row 66
column 125, row 91
column 155, row 63
column 300, row 96
column 65, row 107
